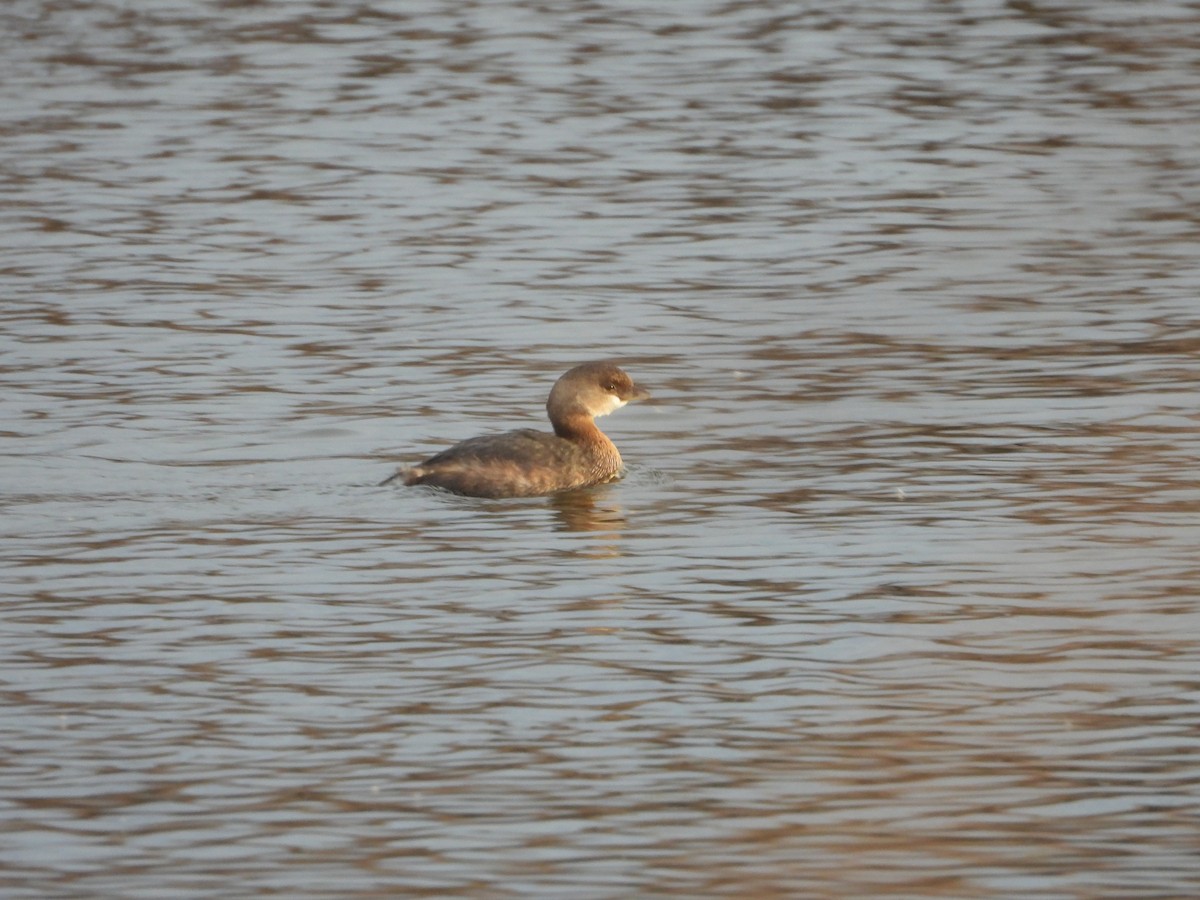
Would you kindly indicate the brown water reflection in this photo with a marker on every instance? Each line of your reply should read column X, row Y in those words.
column 897, row 599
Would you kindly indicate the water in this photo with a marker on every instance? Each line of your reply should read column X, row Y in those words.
column 897, row 599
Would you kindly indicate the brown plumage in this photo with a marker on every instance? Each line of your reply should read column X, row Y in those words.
column 527, row 463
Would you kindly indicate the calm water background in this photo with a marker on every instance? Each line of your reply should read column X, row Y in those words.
column 900, row 596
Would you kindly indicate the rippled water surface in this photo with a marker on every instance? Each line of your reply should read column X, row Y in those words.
column 899, row 596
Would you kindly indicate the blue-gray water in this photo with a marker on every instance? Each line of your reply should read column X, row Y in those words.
column 900, row 595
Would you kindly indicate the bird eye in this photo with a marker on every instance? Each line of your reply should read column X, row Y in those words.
column 611, row 388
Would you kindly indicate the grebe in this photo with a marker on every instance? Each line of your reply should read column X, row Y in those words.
column 528, row 463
